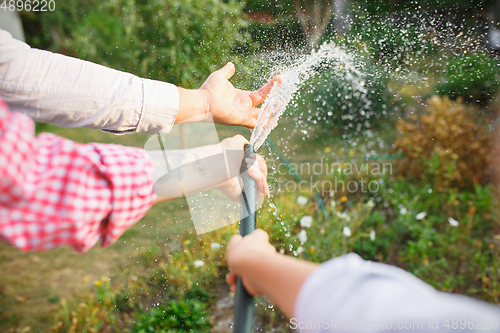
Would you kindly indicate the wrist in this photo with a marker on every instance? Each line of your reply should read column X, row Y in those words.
column 193, row 105
column 205, row 99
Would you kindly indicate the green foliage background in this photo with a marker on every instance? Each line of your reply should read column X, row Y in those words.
column 181, row 42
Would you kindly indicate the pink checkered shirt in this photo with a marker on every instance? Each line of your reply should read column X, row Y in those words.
column 56, row 192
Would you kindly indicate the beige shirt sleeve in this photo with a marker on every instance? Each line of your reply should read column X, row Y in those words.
column 70, row 92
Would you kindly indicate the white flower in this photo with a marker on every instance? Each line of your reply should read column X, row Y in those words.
column 370, row 204
column 301, row 200
column 199, row 263
column 215, row 246
column 453, row 222
column 402, row 210
column 300, row 249
column 372, row 235
column 421, row 215
column 347, row 231
column 344, row 216
column 306, row 221
column 333, row 204
column 302, row 236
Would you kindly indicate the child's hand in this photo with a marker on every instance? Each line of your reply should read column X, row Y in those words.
column 242, row 252
column 231, row 106
column 257, row 169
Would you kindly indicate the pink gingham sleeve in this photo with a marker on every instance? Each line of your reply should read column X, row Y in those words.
column 56, row 192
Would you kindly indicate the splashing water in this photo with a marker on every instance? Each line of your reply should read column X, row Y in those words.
column 328, row 55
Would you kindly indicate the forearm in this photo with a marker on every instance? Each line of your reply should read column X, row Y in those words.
column 70, row 92
column 279, row 277
column 184, row 171
column 57, row 192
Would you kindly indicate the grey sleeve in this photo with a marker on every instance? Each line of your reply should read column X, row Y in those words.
column 348, row 294
column 70, row 92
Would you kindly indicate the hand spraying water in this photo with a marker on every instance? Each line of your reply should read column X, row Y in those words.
column 328, row 55
column 274, row 106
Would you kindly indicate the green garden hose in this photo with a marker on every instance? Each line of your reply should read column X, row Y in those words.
column 244, row 308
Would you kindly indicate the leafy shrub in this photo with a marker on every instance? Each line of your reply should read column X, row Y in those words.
column 273, row 7
column 340, row 105
column 177, row 316
column 281, row 34
column 320, row 239
column 99, row 311
column 196, row 268
column 377, row 6
column 444, row 238
column 392, row 40
column 181, row 42
column 444, row 147
column 86, row 315
column 474, row 77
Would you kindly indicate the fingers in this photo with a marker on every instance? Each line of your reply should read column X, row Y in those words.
column 250, row 123
column 236, row 142
column 255, row 113
column 257, row 169
column 262, row 165
column 231, row 280
column 253, row 169
column 235, row 239
column 260, row 95
column 261, row 235
column 228, row 70
column 241, row 140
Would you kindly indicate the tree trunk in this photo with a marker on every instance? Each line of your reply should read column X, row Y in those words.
column 314, row 17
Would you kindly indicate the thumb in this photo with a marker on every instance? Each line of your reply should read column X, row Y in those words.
column 228, row 70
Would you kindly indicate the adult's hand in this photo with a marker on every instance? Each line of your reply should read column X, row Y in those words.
column 219, row 99
column 257, row 169
column 194, row 170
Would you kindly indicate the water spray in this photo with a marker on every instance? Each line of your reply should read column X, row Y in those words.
column 244, row 308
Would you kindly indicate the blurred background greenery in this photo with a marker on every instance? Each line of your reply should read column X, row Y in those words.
column 432, row 77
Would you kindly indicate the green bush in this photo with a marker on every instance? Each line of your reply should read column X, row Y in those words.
column 273, row 7
column 174, row 41
column 340, row 106
column 446, row 239
column 282, row 34
column 178, row 316
column 475, row 77
column 391, row 41
column 381, row 6
column 325, row 237
column 444, row 147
